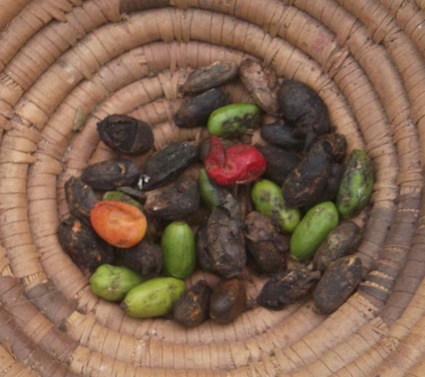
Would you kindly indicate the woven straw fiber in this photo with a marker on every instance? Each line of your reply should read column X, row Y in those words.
column 66, row 64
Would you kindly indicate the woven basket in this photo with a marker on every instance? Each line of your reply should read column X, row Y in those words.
column 66, row 64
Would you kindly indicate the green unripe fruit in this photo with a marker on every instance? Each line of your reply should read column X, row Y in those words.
column 234, row 119
column 153, row 298
column 312, row 230
column 268, row 199
column 121, row 197
column 178, row 248
column 211, row 194
column 112, row 283
column 356, row 184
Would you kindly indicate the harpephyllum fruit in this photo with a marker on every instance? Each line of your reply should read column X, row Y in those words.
column 238, row 164
column 118, row 223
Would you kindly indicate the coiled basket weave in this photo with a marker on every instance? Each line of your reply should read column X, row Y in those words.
column 66, row 64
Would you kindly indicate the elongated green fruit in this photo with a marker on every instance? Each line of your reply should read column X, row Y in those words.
column 268, row 199
column 153, row 298
column 234, row 119
column 211, row 194
column 178, row 248
column 120, row 196
column 312, row 230
column 112, row 283
column 356, row 184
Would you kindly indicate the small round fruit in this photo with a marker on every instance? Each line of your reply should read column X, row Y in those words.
column 312, row 230
column 178, row 247
column 153, row 298
column 118, row 223
column 112, row 283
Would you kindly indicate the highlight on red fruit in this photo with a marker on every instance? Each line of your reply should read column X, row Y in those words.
column 238, row 164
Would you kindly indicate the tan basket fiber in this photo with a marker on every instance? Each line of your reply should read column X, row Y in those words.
column 66, row 64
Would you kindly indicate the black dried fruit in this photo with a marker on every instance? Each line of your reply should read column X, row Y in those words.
column 280, row 162
column 80, row 198
column 286, row 287
column 283, row 135
column 261, row 83
column 192, row 308
column 194, row 111
column 202, row 253
column 341, row 241
column 82, row 244
column 332, row 185
column 301, row 105
column 334, row 144
column 126, row 134
column 154, row 229
column 108, row 175
column 210, row 76
column 175, row 201
column 304, row 185
column 220, row 242
column 265, row 244
column 145, row 258
column 133, row 192
column 228, row 300
column 338, row 282
column 204, row 148
column 167, row 164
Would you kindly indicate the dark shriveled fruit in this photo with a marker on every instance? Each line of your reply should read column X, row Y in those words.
column 220, row 241
column 286, row 287
column 192, row 308
column 304, row 185
column 266, row 245
column 108, row 175
column 167, row 164
column 261, row 83
column 80, row 198
column 175, row 201
column 228, row 300
column 210, row 76
column 340, row 242
column 338, row 282
column 126, row 134
column 283, row 135
column 194, row 111
column 82, row 244
column 145, row 258
column 279, row 162
column 334, row 144
column 301, row 105
column 332, row 185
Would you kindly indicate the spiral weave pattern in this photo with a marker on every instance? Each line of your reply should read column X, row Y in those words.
column 66, row 64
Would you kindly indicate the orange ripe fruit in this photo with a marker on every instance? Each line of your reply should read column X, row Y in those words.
column 118, row 223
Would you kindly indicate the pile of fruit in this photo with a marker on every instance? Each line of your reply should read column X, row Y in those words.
column 281, row 208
